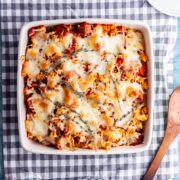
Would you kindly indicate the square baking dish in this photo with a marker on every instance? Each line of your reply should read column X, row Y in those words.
column 34, row 147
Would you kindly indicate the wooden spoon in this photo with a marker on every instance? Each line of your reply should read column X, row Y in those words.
column 172, row 130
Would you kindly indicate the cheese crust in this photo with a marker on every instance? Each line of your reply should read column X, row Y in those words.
column 85, row 86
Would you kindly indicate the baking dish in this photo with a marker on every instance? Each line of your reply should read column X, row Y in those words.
column 38, row 148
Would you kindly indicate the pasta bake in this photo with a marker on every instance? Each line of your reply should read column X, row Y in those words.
column 85, row 86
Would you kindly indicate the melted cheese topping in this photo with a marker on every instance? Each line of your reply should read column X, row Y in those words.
column 85, row 86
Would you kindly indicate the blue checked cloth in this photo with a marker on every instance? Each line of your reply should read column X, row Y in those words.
column 21, row 165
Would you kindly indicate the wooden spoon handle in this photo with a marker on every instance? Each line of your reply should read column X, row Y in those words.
column 168, row 138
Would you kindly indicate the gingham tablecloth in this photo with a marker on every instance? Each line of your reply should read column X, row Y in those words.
column 19, row 164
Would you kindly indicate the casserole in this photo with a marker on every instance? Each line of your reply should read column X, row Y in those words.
column 34, row 147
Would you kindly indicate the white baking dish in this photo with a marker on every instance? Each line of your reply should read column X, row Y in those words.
column 38, row 148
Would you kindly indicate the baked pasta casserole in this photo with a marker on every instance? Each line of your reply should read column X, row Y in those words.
column 85, row 86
